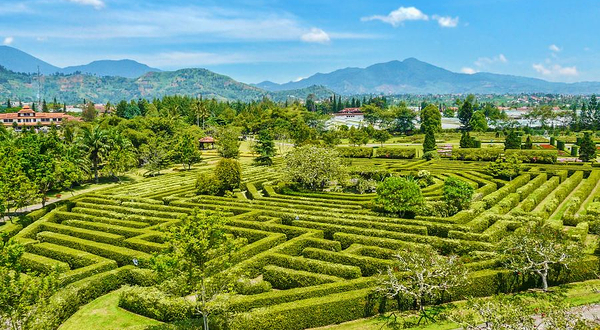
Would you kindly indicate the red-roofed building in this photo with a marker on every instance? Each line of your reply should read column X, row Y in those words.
column 28, row 117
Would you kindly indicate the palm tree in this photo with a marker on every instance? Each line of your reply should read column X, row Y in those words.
column 94, row 141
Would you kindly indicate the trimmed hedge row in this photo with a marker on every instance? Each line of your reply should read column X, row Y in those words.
column 315, row 266
column 511, row 187
column 549, row 205
column 538, row 195
column 286, row 278
column 477, row 154
column 154, row 303
column 368, row 266
column 535, row 156
column 396, row 153
column 355, row 152
column 574, row 203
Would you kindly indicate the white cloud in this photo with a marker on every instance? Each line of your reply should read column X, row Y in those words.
column 468, row 70
column 398, row 16
column 97, row 4
column 446, row 21
column 556, row 70
column 554, row 48
column 8, row 40
column 483, row 61
column 316, row 35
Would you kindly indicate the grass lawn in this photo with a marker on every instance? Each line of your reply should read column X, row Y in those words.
column 104, row 314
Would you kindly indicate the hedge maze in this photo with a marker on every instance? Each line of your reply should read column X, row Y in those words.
column 310, row 257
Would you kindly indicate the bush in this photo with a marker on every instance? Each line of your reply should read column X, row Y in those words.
column 535, row 156
column 208, row 184
column 285, row 278
column 399, row 196
column 154, row 303
column 481, row 154
column 457, row 194
column 396, row 153
column 247, row 286
column 229, row 173
column 355, row 152
column 430, row 155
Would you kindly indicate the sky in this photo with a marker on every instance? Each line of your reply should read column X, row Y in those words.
column 287, row 40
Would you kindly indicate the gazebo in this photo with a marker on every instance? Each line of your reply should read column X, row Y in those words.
column 208, row 140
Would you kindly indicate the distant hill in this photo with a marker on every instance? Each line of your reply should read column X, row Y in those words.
column 120, row 68
column 19, row 61
column 412, row 76
column 73, row 88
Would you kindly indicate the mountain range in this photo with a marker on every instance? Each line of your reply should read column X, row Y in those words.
column 108, row 80
column 19, row 61
column 412, row 76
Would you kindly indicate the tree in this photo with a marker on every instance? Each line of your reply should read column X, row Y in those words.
column 431, row 119
column 478, row 122
column 44, row 106
column 429, row 142
column 21, row 296
column 457, row 194
column 89, row 112
column 357, row 136
column 466, row 141
column 119, row 155
column 425, row 277
column 381, row 136
column 265, row 147
column 528, row 143
column 313, row 167
column 587, row 120
column 403, row 118
column 465, row 112
column 187, row 149
column 94, row 142
column 331, row 137
column 199, row 249
column 155, row 155
column 535, row 248
column 229, row 173
column 228, row 144
column 398, row 195
column 512, row 141
column 587, row 149
column 506, row 168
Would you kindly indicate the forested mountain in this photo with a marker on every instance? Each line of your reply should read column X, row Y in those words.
column 73, row 88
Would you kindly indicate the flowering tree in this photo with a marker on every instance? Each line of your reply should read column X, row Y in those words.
column 422, row 275
column 535, row 248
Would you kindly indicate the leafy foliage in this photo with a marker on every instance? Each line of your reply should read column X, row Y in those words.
column 506, row 168
column 398, row 195
column 457, row 194
column 228, row 172
column 313, row 167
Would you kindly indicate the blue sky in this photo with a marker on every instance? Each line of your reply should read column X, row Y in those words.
column 253, row 41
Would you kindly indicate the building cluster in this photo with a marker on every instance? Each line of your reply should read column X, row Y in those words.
column 27, row 117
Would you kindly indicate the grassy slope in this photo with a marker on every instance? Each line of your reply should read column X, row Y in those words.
column 104, row 314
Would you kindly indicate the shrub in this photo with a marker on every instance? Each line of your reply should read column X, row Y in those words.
column 355, row 152
column 482, row 154
column 207, row 184
column 396, row 153
column 313, row 167
column 457, row 194
column 507, row 169
column 430, row 155
column 154, row 303
column 534, row 156
column 399, row 196
column 284, row 278
column 229, row 173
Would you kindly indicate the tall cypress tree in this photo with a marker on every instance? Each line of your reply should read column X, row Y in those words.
column 587, row 150
column 429, row 142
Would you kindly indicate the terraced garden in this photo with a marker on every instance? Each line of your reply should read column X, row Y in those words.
column 310, row 257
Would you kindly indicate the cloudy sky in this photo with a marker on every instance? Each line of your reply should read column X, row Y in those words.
column 283, row 40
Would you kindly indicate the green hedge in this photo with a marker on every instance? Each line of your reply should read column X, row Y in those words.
column 154, row 303
column 315, row 266
column 368, row 266
column 539, row 194
column 284, row 278
column 309, row 313
column 477, row 154
column 355, row 152
column 396, row 153
column 535, row 156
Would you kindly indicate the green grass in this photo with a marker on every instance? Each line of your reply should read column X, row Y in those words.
column 105, row 314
